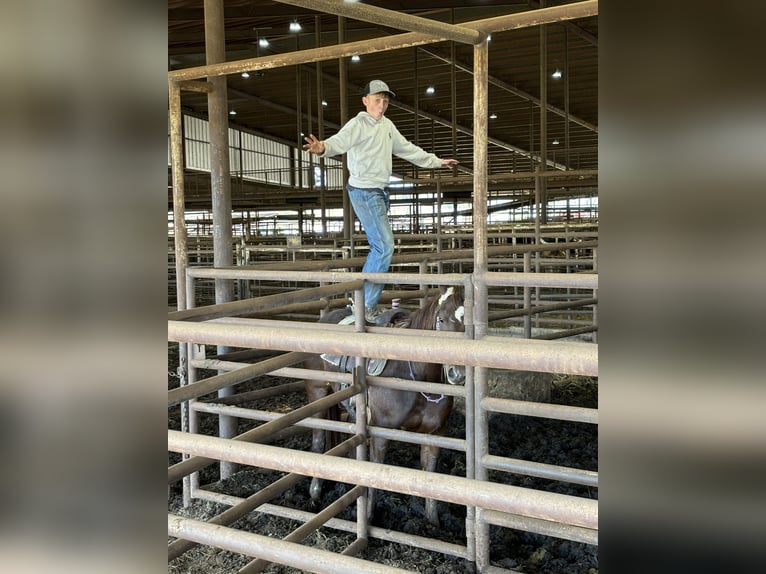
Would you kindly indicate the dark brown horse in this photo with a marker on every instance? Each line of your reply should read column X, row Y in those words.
column 397, row 409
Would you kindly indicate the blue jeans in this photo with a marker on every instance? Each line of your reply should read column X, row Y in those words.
column 371, row 207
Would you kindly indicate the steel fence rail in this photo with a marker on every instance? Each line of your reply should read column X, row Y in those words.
column 493, row 352
column 455, row 489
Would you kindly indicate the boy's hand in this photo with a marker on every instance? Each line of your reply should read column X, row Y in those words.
column 314, row 145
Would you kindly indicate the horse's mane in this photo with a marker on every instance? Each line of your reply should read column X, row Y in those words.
column 425, row 317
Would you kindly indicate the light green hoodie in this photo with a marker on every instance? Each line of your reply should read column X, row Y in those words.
column 370, row 144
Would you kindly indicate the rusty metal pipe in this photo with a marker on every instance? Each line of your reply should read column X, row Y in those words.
column 455, row 489
column 227, row 379
column 261, row 303
column 253, row 501
column 406, row 40
column 394, row 19
column 543, row 410
column 491, row 352
column 544, row 527
column 181, row 469
column 306, row 558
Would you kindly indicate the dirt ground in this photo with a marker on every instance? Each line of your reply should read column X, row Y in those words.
column 535, row 439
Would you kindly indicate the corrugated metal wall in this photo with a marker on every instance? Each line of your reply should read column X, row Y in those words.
column 256, row 158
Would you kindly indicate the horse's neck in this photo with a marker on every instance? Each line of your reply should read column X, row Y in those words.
column 422, row 319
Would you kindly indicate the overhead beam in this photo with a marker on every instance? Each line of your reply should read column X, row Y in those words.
column 406, row 40
column 398, row 20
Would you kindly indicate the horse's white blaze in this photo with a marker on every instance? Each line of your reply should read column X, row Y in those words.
column 447, row 295
column 459, row 313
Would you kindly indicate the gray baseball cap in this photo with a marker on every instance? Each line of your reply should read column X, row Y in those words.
column 377, row 86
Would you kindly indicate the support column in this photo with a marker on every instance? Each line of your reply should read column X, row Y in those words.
column 480, row 259
column 217, row 102
column 348, row 216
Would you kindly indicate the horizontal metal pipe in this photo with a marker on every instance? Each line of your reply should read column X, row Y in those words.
column 261, row 415
column 316, row 326
column 385, row 534
column 566, row 333
column 394, row 19
column 369, row 46
column 247, row 505
column 266, row 303
column 212, row 384
column 448, row 488
column 536, row 17
column 544, row 527
column 559, row 280
column 543, row 410
column 265, row 431
column 492, row 352
column 455, row 444
column 239, row 398
column 308, row 558
column 541, row 470
column 313, row 273
column 496, row 316
column 419, row 386
column 495, row 278
column 196, row 86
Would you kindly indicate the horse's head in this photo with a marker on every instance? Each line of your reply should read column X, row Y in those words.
column 450, row 313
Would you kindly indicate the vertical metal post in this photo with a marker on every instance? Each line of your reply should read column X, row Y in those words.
column 191, row 482
column 360, row 424
column 566, row 101
column 181, row 256
column 177, row 171
column 543, row 213
column 320, row 129
column 527, row 294
column 348, row 216
column 215, row 53
column 480, row 258
column 416, row 104
column 470, row 419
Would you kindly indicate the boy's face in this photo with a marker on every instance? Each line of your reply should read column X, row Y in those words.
column 376, row 104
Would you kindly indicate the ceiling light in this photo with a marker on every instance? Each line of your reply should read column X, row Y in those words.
column 556, row 75
column 245, row 75
column 355, row 58
column 295, row 26
column 430, row 90
column 263, row 42
column 232, row 113
column 324, row 102
column 493, row 116
column 555, row 142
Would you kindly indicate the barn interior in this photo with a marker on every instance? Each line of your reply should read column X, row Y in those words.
column 259, row 230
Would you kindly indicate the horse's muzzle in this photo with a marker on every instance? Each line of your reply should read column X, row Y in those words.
column 455, row 374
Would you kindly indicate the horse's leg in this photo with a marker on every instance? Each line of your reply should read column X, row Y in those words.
column 429, row 456
column 378, row 448
column 316, row 390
